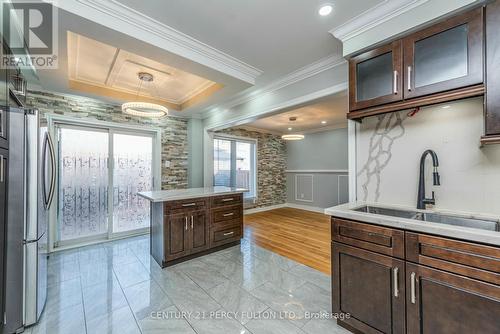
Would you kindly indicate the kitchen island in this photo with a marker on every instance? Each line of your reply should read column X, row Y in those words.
column 188, row 223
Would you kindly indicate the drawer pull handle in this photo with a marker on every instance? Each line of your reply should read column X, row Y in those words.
column 188, row 204
column 228, row 214
column 192, row 219
column 228, row 199
column 396, row 282
column 2, row 171
column 413, row 287
column 228, row 233
column 186, row 224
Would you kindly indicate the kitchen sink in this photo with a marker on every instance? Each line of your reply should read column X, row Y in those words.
column 489, row 225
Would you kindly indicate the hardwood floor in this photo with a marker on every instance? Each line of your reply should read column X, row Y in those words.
column 300, row 235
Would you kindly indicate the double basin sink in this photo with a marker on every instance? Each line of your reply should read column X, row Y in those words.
column 488, row 225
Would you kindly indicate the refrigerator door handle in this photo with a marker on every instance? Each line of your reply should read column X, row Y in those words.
column 52, row 171
column 47, row 197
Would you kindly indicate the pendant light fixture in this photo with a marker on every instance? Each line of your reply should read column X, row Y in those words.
column 292, row 136
column 144, row 109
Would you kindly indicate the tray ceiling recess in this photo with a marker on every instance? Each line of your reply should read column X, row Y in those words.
column 102, row 69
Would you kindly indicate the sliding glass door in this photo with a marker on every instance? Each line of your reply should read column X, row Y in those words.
column 132, row 173
column 100, row 173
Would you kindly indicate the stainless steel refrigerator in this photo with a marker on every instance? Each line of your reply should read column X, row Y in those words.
column 30, row 190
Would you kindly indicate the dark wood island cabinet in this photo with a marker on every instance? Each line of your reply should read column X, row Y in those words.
column 204, row 221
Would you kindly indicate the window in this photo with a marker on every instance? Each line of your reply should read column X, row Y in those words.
column 235, row 164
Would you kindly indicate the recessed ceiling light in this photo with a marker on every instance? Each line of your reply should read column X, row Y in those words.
column 323, row 122
column 446, row 107
column 289, row 129
column 325, row 10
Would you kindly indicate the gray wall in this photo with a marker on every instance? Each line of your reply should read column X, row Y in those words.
column 317, row 169
column 195, row 149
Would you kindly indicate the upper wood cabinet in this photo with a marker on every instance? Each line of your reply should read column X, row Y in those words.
column 430, row 64
column 445, row 56
column 375, row 77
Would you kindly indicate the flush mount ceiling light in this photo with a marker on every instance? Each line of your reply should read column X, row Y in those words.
column 325, row 10
column 144, row 109
column 292, row 136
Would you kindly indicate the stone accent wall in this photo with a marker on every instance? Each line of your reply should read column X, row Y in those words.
column 271, row 166
column 174, row 130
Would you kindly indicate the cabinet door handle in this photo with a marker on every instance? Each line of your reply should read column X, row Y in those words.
column 228, row 233
column 192, row 219
column 228, row 214
column 188, row 204
column 395, row 83
column 409, row 78
column 186, row 223
column 227, row 199
column 2, row 170
column 395, row 273
column 413, row 287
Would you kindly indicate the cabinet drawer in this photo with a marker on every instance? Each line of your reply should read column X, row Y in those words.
column 226, row 235
column 195, row 204
column 227, row 213
column 378, row 239
column 468, row 259
column 227, row 200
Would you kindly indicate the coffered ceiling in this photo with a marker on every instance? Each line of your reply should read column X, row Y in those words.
column 93, row 65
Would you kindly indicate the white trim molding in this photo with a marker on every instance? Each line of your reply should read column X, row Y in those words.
column 119, row 17
column 305, row 72
column 373, row 17
column 278, row 107
column 312, row 188
column 305, row 207
column 284, row 205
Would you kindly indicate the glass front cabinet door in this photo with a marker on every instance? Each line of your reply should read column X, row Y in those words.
column 445, row 56
column 375, row 77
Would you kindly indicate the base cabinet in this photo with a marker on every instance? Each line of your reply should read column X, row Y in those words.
column 445, row 303
column 183, row 229
column 370, row 288
column 441, row 286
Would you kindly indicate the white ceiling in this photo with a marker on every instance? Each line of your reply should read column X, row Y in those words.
column 331, row 109
column 276, row 36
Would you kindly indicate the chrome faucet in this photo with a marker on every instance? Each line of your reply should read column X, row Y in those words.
column 422, row 201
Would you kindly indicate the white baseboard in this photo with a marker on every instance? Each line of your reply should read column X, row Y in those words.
column 264, row 208
column 305, row 207
column 284, row 205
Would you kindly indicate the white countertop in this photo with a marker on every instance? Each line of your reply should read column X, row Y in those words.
column 465, row 233
column 179, row 194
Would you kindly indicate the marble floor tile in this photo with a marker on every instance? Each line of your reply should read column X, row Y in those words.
column 201, row 273
column 96, row 273
column 130, row 273
column 69, row 320
column 235, row 299
column 60, row 271
column 168, row 321
column 314, row 276
column 274, row 327
column 145, row 298
column 324, row 326
column 186, row 295
column 103, row 298
column 64, row 294
column 216, row 260
column 279, row 277
column 244, row 275
column 220, row 326
column 120, row 321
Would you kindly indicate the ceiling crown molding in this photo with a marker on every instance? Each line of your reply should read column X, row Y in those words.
column 373, row 17
column 119, row 17
column 305, row 72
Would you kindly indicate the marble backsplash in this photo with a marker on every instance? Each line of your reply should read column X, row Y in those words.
column 389, row 148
